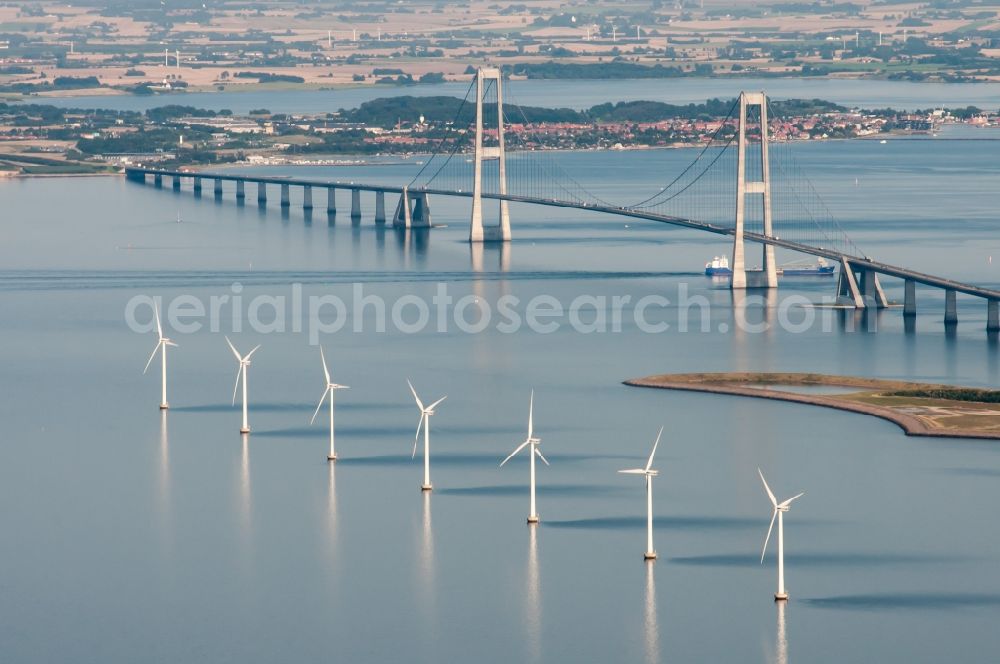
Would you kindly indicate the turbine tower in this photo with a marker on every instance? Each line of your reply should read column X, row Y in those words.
column 425, row 422
column 779, row 510
column 533, row 451
column 241, row 376
column 331, row 387
column 649, row 473
column 161, row 345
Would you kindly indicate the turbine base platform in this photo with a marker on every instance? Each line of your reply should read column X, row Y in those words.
column 164, row 406
column 426, row 487
column 533, row 518
column 244, row 429
column 780, row 597
column 331, row 457
column 649, row 555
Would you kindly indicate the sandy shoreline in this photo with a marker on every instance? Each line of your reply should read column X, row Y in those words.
column 718, row 384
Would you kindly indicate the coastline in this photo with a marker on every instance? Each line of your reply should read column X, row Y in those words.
column 730, row 385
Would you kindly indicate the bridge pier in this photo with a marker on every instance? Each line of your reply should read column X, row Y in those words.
column 848, row 285
column 909, row 298
column 197, row 186
column 285, row 198
column 261, row 193
column 872, row 289
column 175, row 183
column 950, row 308
column 217, row 188
column 355, row 205
column 240, row 190
column 402, row 218
column 158, row 181
column 331, row 200
column 307, row 197
column 380, row 207
column 993, row 315
column 421, row 217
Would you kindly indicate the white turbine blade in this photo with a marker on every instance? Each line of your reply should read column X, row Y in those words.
column 420, row 404
column 318, row 406
column 531, row 413
column 633, row 471
column 431, row 407
column 158, row 344
column 247, row 358
column 159, row 328
column 326, row 371
column 650, row 462
column 416, row 437
column 239, row 358
column 539, row 453
column 789, row 501
column 774, row 515
column 516, row 450
column 168, row 342
column 770, row 494
column 239, row 373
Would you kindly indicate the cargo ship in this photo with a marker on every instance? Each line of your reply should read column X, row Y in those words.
column 820, row 269
column 719, row 267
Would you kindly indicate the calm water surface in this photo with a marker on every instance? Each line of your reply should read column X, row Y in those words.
column 135, row 536
column 579, row 94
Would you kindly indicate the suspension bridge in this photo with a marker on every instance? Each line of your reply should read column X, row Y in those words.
column 741, row 184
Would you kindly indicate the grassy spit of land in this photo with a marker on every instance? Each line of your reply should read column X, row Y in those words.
column 920, row 409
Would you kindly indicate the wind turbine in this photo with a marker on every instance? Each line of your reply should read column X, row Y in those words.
column 330, row 388
column 779, row 510
column 425, row 422
column 162, row 343
column 649, row 474
column 241, row 374
column 534, row 443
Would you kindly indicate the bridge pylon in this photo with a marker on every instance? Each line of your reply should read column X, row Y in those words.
column 759, row 192
column 477, row 231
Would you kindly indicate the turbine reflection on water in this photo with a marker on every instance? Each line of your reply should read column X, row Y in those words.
column 533, row 598
column 781, row 639
column 651, row 623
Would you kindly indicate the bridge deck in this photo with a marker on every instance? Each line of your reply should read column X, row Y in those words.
column 861, row 262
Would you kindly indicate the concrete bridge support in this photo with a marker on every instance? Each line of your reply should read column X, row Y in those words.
column 950, row 308
column 217, row 188
column 355, row 205
column 285, row 198
column 240, row 190
column 158, row 181
column 403, row 216
column 768, row 276
column 872, row 291
column 176, row 183
column 261, row 193
column 477, row 231
column 413, row 211
column 421, row 217
column 307, row 197
column 331, row 200
column 847, row 286
column 993, row 315
column 909, row 298
column 379, row 207
column 197, row 186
